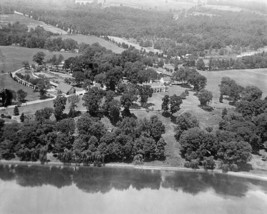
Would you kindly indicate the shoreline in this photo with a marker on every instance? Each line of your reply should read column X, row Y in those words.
column 248, row 175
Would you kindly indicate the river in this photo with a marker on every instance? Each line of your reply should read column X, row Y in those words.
column 56, row 190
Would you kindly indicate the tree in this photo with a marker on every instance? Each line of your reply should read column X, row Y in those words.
column 88, row 126
column 198, row 144
column 43, row 114
column 184, row 122
column 66, row 126
column 21, row 95
column 224, row 113
column 22, row 117
column 156, row 128
column 197, row 80
column 175, row 102
column 39, row 57
column 92, row 100
column 200, row 64
column 204, row 97
column 26, row 65
column 113, row 77
column 79, row 77
column 7, row 97
column 165, row 103
column 238, row 153
column 73, row 100
column 43, row 85
column 145, row 92
column 251, row 93
column 16, row 111
column 127, row 100
column 114, row 111
column 59, row 106
column 230, row 88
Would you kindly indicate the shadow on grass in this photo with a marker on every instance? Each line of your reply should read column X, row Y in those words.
column 206, row 108
column 166, row 114
column 148, row 105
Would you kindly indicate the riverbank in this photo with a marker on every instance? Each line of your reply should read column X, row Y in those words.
column 262, row 175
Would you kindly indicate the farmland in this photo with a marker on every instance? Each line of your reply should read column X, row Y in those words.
column 93, row 39
column 11, row 57
column 31, row 23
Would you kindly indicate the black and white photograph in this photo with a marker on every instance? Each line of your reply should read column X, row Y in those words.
column 133, row 106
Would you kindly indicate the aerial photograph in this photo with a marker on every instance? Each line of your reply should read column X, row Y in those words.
column 133, row 106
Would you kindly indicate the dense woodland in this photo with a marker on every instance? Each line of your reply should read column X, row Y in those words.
column 188, row 33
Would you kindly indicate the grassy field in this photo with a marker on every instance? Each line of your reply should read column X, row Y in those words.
column 7, row 82
column 161, row 5
column 257, row 77
column 93, row 39
column 134, row 44
column 11, row 57
column 31, row 23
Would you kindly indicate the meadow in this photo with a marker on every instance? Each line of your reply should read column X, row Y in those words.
column 93, row 39
column 11, row 57
column 31, row 23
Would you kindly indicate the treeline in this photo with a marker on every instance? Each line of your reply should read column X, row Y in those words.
column 245, row 62
column 35, row 38
column 241, row 131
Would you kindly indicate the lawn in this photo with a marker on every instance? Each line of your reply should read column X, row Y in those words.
column 7, row 82
column 11, row 57
column 93, row 39
column 31, row 23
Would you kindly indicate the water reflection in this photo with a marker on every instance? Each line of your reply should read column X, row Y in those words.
column 103, row 180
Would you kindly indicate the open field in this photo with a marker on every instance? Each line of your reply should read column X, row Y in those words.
column 161, row 5
column 134, row 44
column 223, row 8
column 11, row 57
column 257, row 77
column 31, row 23
column 7, row 82
column 93, row 39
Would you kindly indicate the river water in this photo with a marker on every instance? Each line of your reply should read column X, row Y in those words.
column 52, row 190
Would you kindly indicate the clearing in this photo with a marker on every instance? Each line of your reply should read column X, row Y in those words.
column 31, row 23
column 94, row 39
